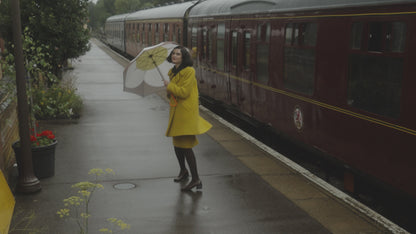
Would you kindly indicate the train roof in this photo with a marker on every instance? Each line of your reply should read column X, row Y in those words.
column 117, row 18
column 234, row 7
column 164, row 12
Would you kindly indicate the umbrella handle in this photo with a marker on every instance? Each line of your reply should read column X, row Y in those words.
column 158, row 70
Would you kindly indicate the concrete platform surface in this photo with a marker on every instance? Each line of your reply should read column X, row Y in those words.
column 244, row 189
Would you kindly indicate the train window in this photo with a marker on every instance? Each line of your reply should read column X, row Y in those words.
column 128, row 32
column 386, row 37
column 305, row 34
column 263, row 38
column 375, row 79
column 299, row 57
column 179, row 35
column 204, row 42
column 149, row 34
column 234, row 48
column 131, row 30
column 174, row 33
column 263, row 32
column 138, row 33
column 301, row 34
column 396, row 35
column 143, row 33
column 375, row 37
column 166, row 33
column 375, row 83
column 156, row 33
column 208, row 45
column 247, row 45
column 220, row 46
column 356, row 35
column 211, row 38
column 289, row 34
column 309, row 32
column 299, row 70
column 194, row 39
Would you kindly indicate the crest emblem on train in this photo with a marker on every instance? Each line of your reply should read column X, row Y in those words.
column 298, row 118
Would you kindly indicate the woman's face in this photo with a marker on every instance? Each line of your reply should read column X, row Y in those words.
column 176, row 57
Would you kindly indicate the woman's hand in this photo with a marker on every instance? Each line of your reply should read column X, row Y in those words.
column 165, row 82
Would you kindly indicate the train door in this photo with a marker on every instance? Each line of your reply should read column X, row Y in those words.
column 220, row 86
column 240, row 50
column 261, row 70
column 199, row 55
column 197, row 37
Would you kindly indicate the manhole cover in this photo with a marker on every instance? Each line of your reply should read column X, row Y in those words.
column 124, row 186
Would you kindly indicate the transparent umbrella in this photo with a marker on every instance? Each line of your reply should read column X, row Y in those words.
column 145, row 73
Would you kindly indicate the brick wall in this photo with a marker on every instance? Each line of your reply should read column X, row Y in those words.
column 8, row 128
column 1, row 51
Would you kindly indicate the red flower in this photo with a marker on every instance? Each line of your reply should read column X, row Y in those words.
column 41, row 139
column 46, row 133
column 33, row 138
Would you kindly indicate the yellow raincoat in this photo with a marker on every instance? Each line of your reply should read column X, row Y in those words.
column 184, row 119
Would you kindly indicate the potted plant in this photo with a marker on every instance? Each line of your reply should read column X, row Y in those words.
column 43, row 153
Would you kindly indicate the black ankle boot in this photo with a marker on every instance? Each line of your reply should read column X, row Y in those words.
column 192, row 184
column 182, row 176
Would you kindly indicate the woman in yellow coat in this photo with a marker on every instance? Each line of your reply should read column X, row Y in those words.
column 184, row 119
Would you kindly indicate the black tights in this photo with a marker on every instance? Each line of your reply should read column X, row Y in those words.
column 188, row 154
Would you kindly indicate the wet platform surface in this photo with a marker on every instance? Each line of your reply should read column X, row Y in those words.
column 244, row 189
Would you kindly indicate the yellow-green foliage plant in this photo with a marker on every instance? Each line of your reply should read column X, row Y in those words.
column 77, row 206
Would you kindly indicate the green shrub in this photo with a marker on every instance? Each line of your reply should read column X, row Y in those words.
column 49, row 97
column 60, row 101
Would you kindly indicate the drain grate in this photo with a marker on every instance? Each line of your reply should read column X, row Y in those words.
column 124, row 186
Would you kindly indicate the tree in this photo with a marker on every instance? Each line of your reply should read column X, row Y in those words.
column 61, row 25
column 109, row 6
column 103, row 9
column 97, row 17
column 127, row 6
column 99, row 12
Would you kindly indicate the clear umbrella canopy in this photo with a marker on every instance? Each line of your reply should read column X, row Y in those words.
column 145, row 74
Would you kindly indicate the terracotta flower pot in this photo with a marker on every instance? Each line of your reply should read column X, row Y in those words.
column 43, row 159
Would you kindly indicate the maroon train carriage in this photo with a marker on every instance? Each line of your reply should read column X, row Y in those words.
column 114, row 32
column 152, row 26
column 336, row 75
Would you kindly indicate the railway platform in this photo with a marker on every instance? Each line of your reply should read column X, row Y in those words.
column 246, row 189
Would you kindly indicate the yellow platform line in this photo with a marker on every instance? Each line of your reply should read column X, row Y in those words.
column 7, row 203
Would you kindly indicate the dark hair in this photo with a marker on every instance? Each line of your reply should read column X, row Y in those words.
column 186, row 59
